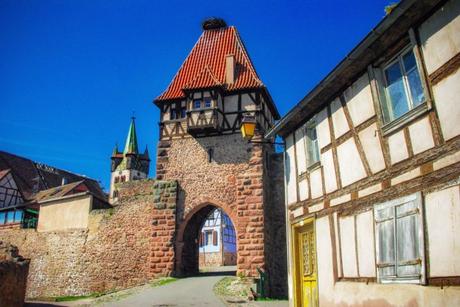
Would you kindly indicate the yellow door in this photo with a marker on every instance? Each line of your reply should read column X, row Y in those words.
column 305, row 262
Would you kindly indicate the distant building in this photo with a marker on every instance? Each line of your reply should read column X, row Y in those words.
column 24, row 184
column 217, row 240
column 128, row 165
column 372, row 169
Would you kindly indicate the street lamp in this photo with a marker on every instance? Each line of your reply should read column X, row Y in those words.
column 248, row 127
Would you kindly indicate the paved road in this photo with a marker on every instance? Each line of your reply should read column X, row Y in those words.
column 192, row 291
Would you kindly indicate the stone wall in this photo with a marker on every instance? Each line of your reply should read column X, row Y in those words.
column 232, row 178
column 123, row 247
column 13, row 276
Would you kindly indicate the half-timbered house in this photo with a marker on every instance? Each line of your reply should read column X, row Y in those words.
column 372, row 168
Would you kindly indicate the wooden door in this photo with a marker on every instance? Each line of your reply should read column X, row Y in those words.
column 305, row 262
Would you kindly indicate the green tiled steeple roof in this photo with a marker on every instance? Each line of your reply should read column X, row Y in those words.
column 131, row 140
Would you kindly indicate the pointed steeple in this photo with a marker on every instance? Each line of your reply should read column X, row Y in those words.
column 131, row 140
column 115, row 150
column 146, row 152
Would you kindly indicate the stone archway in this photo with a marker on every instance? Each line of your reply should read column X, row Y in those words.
column 187, row 256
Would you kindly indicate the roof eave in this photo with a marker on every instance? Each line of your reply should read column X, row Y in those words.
column 305, row 108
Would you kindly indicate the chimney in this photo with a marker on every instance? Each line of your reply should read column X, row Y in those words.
column 229, row 69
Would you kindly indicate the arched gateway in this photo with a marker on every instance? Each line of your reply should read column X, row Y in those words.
column 201, row 149
column 187, row 242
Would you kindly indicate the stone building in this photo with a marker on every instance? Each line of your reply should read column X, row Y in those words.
column 373, row 169
column 201, row 147
column 128, row 165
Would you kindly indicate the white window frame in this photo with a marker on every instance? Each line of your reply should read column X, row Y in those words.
column 407, row 89
column 311, row 163
column 417, row 199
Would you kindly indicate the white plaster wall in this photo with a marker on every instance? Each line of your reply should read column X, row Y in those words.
column 359, row 100
column 421, row 135
column 231, row 103
column 290, row 172
column 303, row 189
column 322, row 128
column 324, row 257
column 300, row 151
column 372, row 149
column 337, row 245
column 440, row 37
column 339, row 121
column 443, row 227
column 365, row 242
column 65, row 214
column 398, row 147
column 327, row 161
column 348, row 247
column 350, row 164
column 316, row 183
column 447, row 99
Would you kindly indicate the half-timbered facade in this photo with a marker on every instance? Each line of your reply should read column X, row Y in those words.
column 215, row 86
column 372, row 168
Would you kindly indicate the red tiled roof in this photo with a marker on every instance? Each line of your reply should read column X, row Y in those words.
column 205, row 65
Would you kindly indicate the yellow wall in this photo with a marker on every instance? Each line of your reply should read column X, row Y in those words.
column 64, row 214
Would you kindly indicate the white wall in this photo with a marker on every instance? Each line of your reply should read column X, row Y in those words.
column 443, row 229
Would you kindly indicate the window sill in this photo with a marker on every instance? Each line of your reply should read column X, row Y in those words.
column 313, row 166
column 405, row 119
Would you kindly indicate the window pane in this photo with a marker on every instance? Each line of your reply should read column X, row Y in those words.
column 18, row 216
column 312, row 146
column 386, row 242
column 207, row 102
column 384, row 213
column 415, row 85
column 182, row 113
column 197, row 104
column 2, row 218
column 395, row 91
column 10, row 217
column 409, row 61
column 407, row 238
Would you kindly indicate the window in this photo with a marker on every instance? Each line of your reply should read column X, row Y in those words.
column 197, row 104
column 177, row 111
column 18, row 216
column 10, row 217
column 403, row 86
column 399, row 240
column 311, row 140
column 2, row 218
column 207, row 102
column 207, row 237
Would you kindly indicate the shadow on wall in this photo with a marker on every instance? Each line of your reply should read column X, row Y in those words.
column 229, row 149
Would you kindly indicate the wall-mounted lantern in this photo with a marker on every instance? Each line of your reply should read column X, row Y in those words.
column 248, row 127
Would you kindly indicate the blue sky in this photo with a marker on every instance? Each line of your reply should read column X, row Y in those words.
column 73, row 72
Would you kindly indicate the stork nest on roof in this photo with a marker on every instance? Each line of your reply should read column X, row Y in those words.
column 213, row 23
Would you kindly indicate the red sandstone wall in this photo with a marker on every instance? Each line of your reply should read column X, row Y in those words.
column 119, row 250
column 13, row 276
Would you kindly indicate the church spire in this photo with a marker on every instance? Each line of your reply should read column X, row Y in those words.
column 131, row 140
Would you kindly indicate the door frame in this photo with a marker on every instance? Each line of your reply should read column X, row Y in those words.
column 295, row 230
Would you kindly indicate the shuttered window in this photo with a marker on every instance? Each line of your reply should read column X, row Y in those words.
column 214, row 237
column 399, row 240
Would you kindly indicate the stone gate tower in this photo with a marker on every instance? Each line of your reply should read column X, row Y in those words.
column 201, row 147
column 128, row 165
